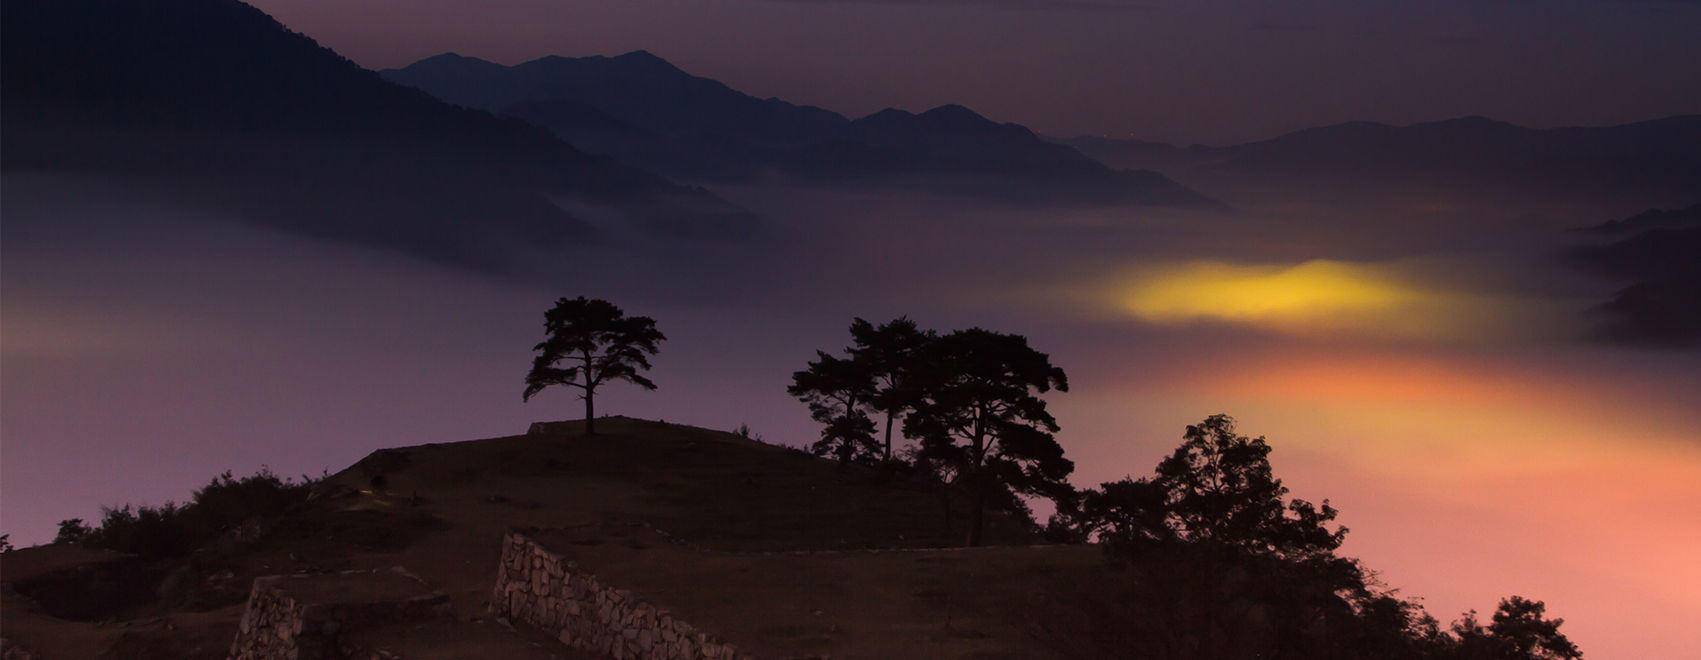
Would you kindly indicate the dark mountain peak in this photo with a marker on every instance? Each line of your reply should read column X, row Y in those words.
column 954, row 113
column 1651, row 219
column 638, row 62
column 451, row 57
column 641, row 55
column 643, row 109
column 963, row 138
column 207, row 65
column 945, row 119
column 889, row 114
column 638, row 88
column 199, row 95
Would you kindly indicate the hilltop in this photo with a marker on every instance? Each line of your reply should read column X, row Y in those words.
column 664, row 542
column 764, row 544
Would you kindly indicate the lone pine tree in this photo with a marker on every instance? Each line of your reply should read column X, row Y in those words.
column 591, row 342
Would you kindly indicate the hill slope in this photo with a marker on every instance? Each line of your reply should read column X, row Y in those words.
column 214, row 98
column 644, row 110
column 764, row 546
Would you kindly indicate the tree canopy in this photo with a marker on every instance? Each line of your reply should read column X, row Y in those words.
column 875, row 378
column 1216, row 488
column 588, row 343
column 837, row 392
column 978, row 411
column 1215, row 562
column 1518, row 631
column 1219, row 488
column 890, row 352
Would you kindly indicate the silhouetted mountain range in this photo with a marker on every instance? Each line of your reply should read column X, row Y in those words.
column 643, row 110
column 1650, row 162
column 215, row 98
column 1651, row 219
column 1663, row 305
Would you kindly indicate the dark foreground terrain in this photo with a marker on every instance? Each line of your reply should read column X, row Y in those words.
column 767, row 546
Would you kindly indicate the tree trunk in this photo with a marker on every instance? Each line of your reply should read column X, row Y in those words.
column 977, row 515
column 590, row 414
column 590, row 401
column 889, row 416
column 977, row 489
column 945, row 501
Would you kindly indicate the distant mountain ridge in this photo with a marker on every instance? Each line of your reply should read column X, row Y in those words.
column 637, row 88
column 642, row 109
column 216, row 98
column 1652, row 162
column 1651, row 219
column 1661, row 306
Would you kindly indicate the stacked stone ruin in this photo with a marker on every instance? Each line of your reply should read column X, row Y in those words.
column 281, row 623
column 543, row 589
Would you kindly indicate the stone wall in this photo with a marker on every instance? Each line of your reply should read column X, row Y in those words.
column 541, row 588
column 302, row 617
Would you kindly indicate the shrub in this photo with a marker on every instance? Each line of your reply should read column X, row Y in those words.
column 171, row 530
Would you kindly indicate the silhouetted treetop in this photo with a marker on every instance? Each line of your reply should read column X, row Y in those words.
column 598, row 343
column 979, row 411
column 837, row 392
column 1219, row 488
column 892, row 352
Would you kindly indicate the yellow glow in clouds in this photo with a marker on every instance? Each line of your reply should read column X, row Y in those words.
column 1312, row 290
column 1315, row 297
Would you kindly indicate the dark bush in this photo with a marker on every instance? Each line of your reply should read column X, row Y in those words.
column 170, row 530
column 226, row 502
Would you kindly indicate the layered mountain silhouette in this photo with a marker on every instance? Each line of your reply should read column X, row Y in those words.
column 1662, row 306
column 643, row 110
column 217, row 100
column 1657, row 162
column 1651, row 219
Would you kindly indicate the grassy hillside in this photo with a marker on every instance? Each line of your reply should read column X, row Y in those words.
column 768, row 548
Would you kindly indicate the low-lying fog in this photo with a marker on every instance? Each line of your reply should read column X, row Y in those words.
column 1421, row 366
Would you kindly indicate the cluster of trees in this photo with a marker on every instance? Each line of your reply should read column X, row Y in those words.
column 969, row 399
column 174, row 530
column 1212, row 559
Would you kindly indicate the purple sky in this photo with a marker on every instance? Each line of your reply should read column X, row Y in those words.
column 1475, row 449
column 1194, row 71
column 1427, row 380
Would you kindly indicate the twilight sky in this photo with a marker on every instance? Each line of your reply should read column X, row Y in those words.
column 1419, row 367
column 1434, row 392
column 1194, row 71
